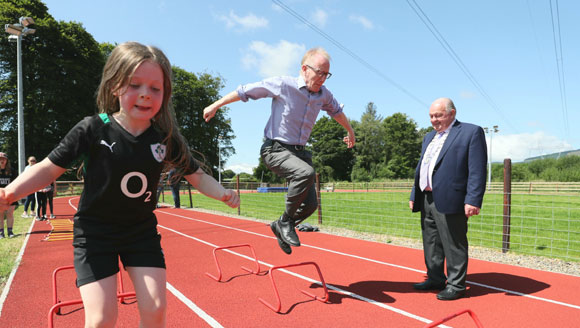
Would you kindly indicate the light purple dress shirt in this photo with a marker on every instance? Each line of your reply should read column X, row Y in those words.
column 294, row 108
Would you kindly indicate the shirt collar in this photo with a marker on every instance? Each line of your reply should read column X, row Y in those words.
column 450, row 126
column 300, row 82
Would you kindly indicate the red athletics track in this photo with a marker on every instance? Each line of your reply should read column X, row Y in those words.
column 370, row 284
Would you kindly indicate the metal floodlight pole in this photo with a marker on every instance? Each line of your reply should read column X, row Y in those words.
column 491, row 131
column 219, row 162
column 21, row 151
column 18, row 31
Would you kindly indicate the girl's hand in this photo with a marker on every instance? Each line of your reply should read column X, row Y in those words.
column 231, row 198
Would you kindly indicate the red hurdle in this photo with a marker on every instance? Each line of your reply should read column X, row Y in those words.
column 279, row 306
column 447, row 318
column 57, row 304
column 219, row 277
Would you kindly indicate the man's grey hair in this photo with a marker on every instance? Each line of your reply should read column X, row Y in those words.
column 449, row 105
column 312, row 52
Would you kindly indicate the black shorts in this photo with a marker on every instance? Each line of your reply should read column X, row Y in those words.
column 97, row 259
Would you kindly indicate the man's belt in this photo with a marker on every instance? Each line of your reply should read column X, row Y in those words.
column 290, row 147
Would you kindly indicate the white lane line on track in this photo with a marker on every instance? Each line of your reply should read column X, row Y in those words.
column 15, row 267
column 342, row 291
column 385, row 263
column 71, row 204
column 6, row 289
column 201, row 313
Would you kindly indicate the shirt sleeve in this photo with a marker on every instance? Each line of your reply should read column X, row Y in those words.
column 74, row 144
column 332, row 106
column 267, row 88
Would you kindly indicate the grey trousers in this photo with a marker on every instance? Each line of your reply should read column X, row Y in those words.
column 296, row 167
column 444, row 238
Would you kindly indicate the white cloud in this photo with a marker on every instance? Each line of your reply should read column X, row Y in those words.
column 521, row 146
column 272, row 60
column 248, row 22
column 362, row 20
column 319, row 18
column 242, row 167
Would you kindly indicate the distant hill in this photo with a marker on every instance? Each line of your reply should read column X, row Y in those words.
column 554, row 155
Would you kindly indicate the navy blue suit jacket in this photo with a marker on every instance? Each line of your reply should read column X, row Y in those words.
column 460, row 171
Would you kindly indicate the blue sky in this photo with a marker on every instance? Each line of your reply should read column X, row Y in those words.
column 516, row 63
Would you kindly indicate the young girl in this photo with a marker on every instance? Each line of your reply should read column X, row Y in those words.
column 124, row 149
column 30, row 199
column 41, row 202
column 7, row 175
column 50, row 198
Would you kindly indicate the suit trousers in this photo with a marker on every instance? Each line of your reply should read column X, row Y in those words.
column 295, row 165
column 444, row 238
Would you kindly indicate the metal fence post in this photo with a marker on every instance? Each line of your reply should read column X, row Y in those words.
column 319, row 198
column 239, row 195
column 507, row 202
column 189, row 192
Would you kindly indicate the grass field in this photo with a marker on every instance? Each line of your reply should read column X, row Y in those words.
column 546, row 225
column 9, row 247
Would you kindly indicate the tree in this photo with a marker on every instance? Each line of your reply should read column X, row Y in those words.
column 331, row 158
column 228, row 174
column 191, row 94
column 62, row 65
column 402, row 146
column 369, row 148
column 423, row 132
column 246, row 177
column 263, row 174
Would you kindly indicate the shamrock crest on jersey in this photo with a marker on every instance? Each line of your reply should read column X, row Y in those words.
column 158, row 151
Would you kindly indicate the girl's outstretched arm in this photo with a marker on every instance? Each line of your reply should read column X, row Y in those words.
column 208, row 186
column 33, row 179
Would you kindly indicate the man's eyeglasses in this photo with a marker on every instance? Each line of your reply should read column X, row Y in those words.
column 320, row 73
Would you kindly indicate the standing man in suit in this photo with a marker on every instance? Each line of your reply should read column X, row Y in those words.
column 448, row 189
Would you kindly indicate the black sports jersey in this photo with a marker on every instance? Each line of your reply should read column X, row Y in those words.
column 121, row 171
column 6, row 179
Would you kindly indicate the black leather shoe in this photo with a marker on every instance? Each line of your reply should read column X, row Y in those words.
column 449, row 294
column 287, row 231
column 285, row 247
column 429, row 285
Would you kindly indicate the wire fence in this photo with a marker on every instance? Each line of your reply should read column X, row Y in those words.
column 543, row 218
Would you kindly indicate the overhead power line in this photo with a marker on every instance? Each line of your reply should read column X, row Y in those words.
column 557, row 35
column 431, row 27
column 349, row 52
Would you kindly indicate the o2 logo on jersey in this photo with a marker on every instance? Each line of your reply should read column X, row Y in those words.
column 140, row 176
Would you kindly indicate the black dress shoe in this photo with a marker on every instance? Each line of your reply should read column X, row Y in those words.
column 449, row 294
column 429, row 285
column 285, row 247
column 287, row 231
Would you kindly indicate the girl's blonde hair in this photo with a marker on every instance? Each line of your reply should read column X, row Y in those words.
column 117, row 73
